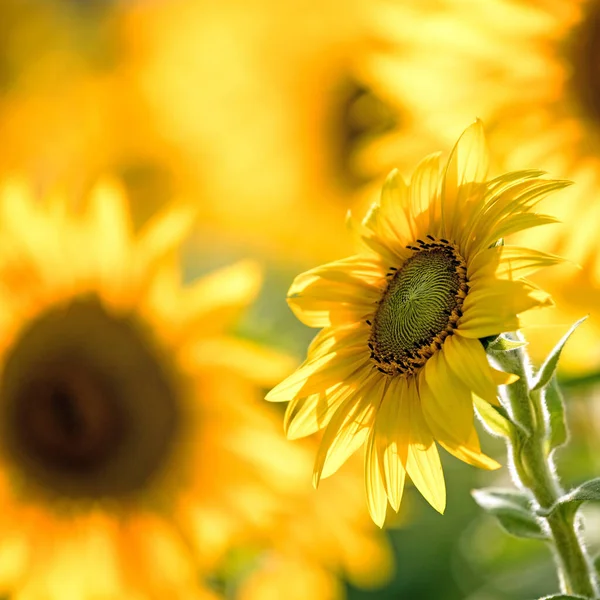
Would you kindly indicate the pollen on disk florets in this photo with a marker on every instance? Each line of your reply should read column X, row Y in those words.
column 419, row 308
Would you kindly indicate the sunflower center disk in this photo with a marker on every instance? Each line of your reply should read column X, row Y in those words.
column 67, row 417
column 581, row 51
column 357, row 116
column 419, row 308
column 89, row 406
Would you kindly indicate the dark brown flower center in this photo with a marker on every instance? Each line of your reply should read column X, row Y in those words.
column 358, row 116
column 90, row 408
column 583, row 53
column 68, row 418
column 419, row 308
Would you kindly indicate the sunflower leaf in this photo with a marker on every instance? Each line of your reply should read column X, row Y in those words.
column 556, row 411
column 503, row 344
column 495, row 418
column 588, row 491
column 550, row 364
column 513, row 511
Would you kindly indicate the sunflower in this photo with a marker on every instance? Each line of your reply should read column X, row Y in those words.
column 326, row 131
column 126, row 409
column 398, row 363
column 530, row 71
column 95, row 122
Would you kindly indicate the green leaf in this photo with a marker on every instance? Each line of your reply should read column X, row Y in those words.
column 495, row 418
column 549, row 367
column 556, row 411
column 586, row 492
column 589, row 490
column 513, row 511
column 503, row 344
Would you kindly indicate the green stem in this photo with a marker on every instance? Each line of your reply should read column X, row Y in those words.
column 534, row 470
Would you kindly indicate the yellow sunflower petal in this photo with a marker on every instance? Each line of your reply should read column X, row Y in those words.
column 503, row 183
column 164, row 232
column 15, row 554
column 96, row 547
column 392, row 439
column 394, row 208
column 305, row 416
column 385, row 239
column 256, row 363
column 85, row 559
column 425, row 189
column 467, row 164
column 467, row 359
column 353, row 270
column 338, row 337
column 388, row 255
column 517, row 223
column 471, row 454
column 376, row 497
column 423, row 461
column 352, row 290
column 502, row 378
column 510, row 262
column 467, row 450
column 162, row 546
column 300, row 417
column 319, row 302
column 215, row 300
column 507, row 212
column 32, row 243
column 446, row 401
column 517, row 199
column 108, row 215
column 319, row 374
column 375, row 238
column 504, row 297
column 348, row 429
column 492, row 305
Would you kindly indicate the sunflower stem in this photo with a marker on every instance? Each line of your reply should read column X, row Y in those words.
column 534, row 471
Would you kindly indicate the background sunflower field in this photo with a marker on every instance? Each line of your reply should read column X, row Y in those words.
column 270, row 120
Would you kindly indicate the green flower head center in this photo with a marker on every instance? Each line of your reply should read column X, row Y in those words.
column 419, row 308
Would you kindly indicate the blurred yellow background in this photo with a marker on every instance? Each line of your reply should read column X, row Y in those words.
column 270, row 120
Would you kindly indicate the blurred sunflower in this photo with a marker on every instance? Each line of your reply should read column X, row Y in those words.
column 236, row 72
column 530, row 71
column 69, row 112
column 120, row 446
column 278, row 125
column 399, row 363
column 132, row 431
